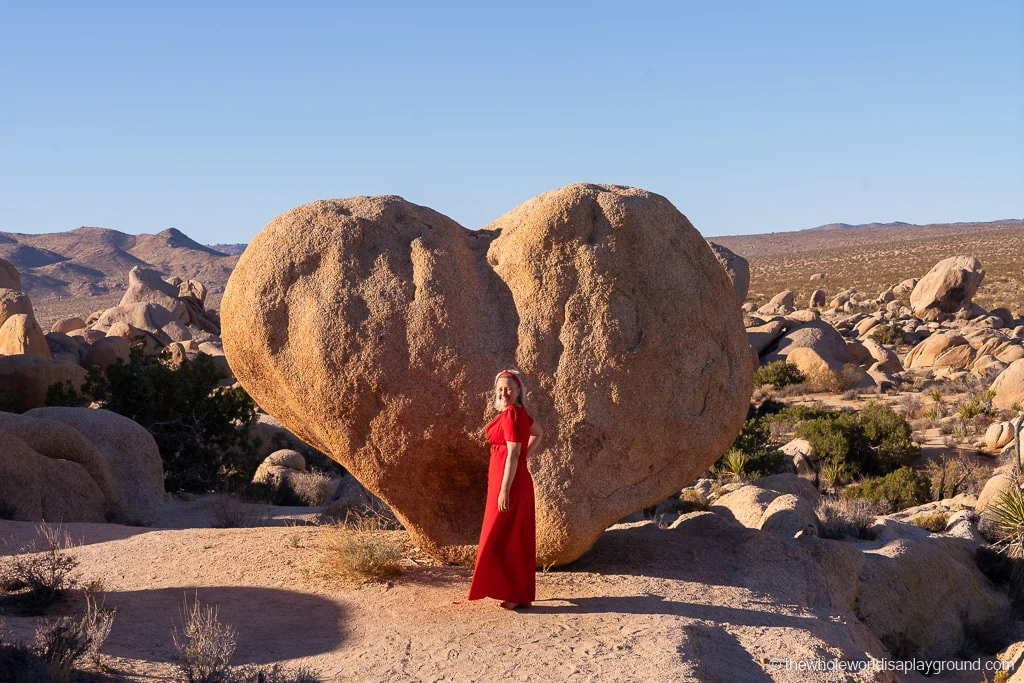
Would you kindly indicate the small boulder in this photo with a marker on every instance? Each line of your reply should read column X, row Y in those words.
column 790, row 515
column 746, row 504
column 67, row 325
column 998, row 435
column 818, row 299
column 107, row 351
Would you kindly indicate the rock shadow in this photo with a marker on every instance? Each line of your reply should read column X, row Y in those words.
column 272, row 624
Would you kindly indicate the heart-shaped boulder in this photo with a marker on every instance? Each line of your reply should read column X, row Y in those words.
column 372, row 328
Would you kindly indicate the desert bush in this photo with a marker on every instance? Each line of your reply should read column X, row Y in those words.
column 889, row 439
column 202, row 430
column 875, row 440
column 898, row 490
column 841, row 518
column 886, row 334
column 67, row 641
column 691, row 500
column 935, row 522
column 204, row 646
column 273, row 673
column 44, row 567
column 778, row 373
column 953, row 475
column 313, row 488
column 229, row 512
column 360, row 549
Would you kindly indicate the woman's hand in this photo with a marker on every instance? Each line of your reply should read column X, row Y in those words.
column 503, row 501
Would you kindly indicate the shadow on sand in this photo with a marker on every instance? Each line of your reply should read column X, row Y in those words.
column 272, row 624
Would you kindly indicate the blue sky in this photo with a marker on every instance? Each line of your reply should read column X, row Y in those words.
column 214, row 117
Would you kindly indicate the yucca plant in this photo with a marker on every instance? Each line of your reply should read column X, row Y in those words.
column 1007, row 519
column 833, row 474
column 735, row 462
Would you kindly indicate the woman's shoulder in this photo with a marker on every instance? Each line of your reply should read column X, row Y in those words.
column 517, row 413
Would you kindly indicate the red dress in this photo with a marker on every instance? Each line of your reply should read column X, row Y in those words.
column 506, row 560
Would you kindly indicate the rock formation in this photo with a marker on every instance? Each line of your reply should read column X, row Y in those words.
column 372, row 327
column 949, row 286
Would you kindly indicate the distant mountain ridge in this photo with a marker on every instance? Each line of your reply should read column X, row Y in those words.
column 847, row 226
column 229, row 249
column 94, row 261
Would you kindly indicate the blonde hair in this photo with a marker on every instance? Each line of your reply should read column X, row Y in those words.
column 518, row 378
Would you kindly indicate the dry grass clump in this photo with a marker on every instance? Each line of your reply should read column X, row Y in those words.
column 841, row 518
column 362, row 548
column 935, row 522
column 43, row 572
column 313, row 487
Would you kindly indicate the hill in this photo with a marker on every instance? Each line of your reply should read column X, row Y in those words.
column 89, row 262
column 872, row 257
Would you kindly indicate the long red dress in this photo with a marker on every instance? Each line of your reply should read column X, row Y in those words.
column 506, row 561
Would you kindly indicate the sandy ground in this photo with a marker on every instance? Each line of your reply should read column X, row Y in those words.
column 706, row 601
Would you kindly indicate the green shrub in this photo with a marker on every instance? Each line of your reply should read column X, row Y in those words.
column 886, row 334
column 753, row 454
column 895, row 491
column 778, row 373
column 889, row 439
column 874, row 441
column 202, row 430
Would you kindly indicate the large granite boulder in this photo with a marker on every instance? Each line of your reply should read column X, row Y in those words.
column 819, row 337
column 949, row 286
column 50, row 471
column 13, row 302
column 25, row 378
column 372, row 328
column 130, row 454
column 10, row 278
column 21, row 334
column 1008, row 387
column 736, row 267
column 148, row 286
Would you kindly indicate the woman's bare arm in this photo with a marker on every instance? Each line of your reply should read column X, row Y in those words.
column 536, row 434
column 511, row 463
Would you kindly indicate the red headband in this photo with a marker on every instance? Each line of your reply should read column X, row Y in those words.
column 506, row 373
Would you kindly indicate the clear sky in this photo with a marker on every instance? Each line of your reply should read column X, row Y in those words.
column 214, row 117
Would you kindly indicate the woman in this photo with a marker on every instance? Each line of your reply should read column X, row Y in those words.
column 507, row 557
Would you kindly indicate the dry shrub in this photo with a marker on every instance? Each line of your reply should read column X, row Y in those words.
column 204, row 646
column 953, row 475
column 935, row 522
column 64, row 643
column 231, row 513
column 360, row 549
column 43, row 567
column 313, row 487
column 841, row 518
